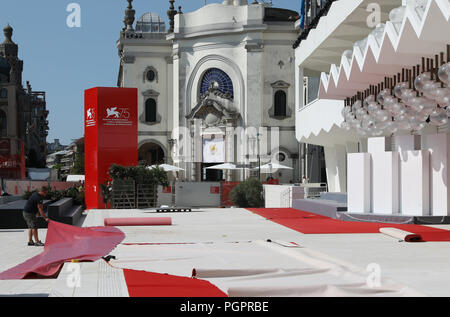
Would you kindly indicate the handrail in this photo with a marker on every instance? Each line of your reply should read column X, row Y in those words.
column 312, row 12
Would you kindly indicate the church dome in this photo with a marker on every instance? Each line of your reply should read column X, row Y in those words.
column 151, row 23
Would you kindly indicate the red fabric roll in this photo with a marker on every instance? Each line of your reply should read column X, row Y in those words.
column 129, row 222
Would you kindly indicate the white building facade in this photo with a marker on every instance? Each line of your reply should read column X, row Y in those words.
column 381, row 75
column 217, row 86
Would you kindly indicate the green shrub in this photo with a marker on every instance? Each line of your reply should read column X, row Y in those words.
column 248, row 194
column 27, row 194
column 139, row 175
column 76, row 193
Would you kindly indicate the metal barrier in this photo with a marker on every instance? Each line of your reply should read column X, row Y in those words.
column 313, row 190
column 286, row 198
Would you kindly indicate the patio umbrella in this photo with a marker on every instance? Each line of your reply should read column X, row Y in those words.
column 167, row 168
column 269, row 168
column 226, row 166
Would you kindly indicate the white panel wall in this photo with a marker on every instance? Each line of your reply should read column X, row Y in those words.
column 358, row 183
column 414, row 183
column 379, row 145
column 336, row 168
column 407, row 181
column 407, row 143
column 439, row 147
column 277, row 196
column 384, row 176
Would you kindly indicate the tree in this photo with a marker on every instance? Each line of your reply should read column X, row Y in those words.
column 248, row 194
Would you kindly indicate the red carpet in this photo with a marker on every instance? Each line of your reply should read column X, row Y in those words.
column 65, row 243
column 309, row 223
column 147, row 284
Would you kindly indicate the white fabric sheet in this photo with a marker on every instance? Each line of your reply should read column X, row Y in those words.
column 257, row 269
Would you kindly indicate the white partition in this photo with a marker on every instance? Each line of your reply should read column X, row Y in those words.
column 358, row 182
column 379, row 145
column 439, row 147
column 414, row 183
column 281, row 196
column 384, row 176
column 408, row 181
column 385, row 183
column 407, row 143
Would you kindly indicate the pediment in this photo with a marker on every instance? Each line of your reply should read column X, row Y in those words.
column 280, row 84
column 150, row 93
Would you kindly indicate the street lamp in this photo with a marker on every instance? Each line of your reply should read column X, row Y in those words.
column 259, row 156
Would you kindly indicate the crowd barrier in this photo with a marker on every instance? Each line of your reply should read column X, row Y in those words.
column 215, row 194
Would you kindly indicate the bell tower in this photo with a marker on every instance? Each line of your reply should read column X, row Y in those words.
column 9, row 50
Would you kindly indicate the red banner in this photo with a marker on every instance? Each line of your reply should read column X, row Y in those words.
column 111, row 136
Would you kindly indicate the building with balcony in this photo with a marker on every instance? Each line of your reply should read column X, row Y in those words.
column 68, row 157
column 372, row 88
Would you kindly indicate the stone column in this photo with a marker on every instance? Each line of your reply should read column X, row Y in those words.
column 229, row 141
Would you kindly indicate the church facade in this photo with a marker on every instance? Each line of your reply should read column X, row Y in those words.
column 216, row 85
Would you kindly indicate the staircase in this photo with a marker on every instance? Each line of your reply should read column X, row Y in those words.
column 65, row 211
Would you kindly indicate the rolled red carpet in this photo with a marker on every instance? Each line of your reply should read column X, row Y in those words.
column 130, row 222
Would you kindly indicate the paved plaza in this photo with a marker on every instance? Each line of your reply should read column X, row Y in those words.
column 236, row 239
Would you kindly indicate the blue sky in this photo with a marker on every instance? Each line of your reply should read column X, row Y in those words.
column 65, row 61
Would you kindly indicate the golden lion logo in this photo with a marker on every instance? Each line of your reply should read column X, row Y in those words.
column 213, row 149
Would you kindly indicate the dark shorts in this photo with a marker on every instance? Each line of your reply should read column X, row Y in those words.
column 31, row 220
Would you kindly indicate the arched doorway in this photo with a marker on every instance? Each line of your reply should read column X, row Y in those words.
column 151, row 154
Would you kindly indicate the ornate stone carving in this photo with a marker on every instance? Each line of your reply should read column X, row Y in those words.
column 171, row 13
column 212, row 110
column 127, row 59
column 129, row 16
